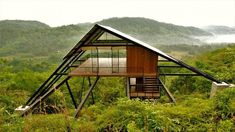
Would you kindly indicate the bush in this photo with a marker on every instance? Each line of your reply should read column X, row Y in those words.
column 192, row 114
column 224, row 103
column 188, row 85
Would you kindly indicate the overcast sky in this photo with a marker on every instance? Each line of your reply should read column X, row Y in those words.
column 64, row 12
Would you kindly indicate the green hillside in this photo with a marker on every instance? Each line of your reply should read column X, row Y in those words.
column 32, row 38
column 155, row 32
column 22, row 25
column 149, row 26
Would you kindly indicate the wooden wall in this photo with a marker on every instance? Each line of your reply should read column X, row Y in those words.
column 141, row 60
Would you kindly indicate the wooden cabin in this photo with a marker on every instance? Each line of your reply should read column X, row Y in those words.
column 123, row 59
column 107, row 52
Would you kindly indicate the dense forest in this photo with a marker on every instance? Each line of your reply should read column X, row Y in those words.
column 30, row 51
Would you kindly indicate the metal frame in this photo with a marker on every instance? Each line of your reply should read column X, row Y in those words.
column 42, row 98
column 168, row 93
column 90, row 39
column 53, row 78
column 92, row 96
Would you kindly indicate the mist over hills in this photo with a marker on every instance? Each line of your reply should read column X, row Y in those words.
column 219, row 29
column 36, row 38
column 154, row 32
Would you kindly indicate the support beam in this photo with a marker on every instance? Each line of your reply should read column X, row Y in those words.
column 193, row 69
column 178, row 74
column 92, row 96
column 42, row 98
column 52, row 79
column 71, row 95
column 61, row 74
column 80, row 96
column 110, row 41
column 170, row 66
column 128, row 87
column 41, row 87
column 86, row 97
column 167, row 92
column 163, row 61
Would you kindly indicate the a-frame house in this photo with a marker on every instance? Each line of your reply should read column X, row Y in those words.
column 106, row 52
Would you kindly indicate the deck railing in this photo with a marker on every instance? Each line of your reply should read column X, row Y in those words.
column 125, row 71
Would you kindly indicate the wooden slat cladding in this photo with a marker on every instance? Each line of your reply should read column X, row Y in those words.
column 150, row 62
column 140, row 60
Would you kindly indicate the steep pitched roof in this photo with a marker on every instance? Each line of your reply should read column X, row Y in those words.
column 99, row 29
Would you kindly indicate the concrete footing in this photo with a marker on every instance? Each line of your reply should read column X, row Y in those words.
column 21, row 109
column 215, row 87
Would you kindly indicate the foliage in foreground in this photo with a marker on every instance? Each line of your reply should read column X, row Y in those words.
column 192, row 113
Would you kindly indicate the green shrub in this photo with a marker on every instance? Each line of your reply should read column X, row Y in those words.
column 224, row 103
column 226, row 126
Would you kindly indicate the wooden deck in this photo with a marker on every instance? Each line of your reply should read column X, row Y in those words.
column 107, row 67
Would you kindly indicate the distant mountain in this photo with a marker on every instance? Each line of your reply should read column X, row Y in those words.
column 155, row 32
column 27, row 38
column 35, row 38
column 21, row 24
column 220, row 29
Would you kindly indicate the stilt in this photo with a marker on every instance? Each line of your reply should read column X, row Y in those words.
column 71, row 95
column 81, row 91
column 92, row 96
column 86, row 97
column 128, row 87
column 167, row 92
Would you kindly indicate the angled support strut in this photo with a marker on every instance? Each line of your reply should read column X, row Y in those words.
column 86, row 97
column 42, row 98
column 71, row 95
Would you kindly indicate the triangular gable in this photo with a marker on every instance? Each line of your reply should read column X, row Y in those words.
column 108, row 36
column 98, row 30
